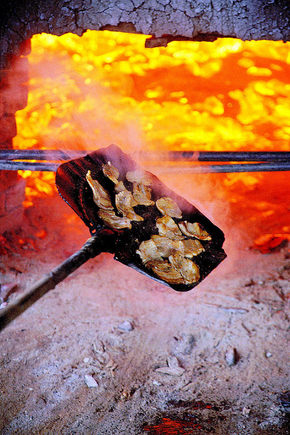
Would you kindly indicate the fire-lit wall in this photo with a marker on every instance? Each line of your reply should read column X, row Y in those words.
column 13, row 97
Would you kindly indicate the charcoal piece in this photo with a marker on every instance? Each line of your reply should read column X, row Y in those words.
column 75, row 190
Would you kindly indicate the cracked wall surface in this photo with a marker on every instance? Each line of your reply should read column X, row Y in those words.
column 164, row 19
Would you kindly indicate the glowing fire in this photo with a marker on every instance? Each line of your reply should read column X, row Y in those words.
column 105, row 87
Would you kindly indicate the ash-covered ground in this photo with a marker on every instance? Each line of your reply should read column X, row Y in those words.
column 110, row 351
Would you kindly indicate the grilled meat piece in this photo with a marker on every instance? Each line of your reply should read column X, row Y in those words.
column 148, row 251
column 113, row 221
column 101, row 197
column 167, row 246
column 119, row 187
column 192, row 248
column 140, row 177
column 111, row 172
column 168, row 207
column 187, row 268
column 124, row 202
column 194, row 230
column 164, row 270
column 142, row 194
column 168, row 228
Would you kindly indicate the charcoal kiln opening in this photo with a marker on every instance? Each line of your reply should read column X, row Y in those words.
column 127, row 354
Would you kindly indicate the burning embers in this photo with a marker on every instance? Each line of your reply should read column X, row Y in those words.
column 155, row 230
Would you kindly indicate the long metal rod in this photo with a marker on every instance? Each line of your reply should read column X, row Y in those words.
column 196, row 169
column 16, row 154
column 227, row 168
column 11, row 165
column 202, row 156
column 90, row 249
column 224, row 156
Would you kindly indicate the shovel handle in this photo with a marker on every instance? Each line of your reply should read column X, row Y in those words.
column 92, row 247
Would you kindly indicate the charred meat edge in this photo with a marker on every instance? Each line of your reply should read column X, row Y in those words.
column 100, row 195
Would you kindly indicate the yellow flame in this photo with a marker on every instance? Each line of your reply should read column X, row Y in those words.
column 104, row 87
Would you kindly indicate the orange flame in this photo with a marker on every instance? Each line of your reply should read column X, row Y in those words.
column 105, row 87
